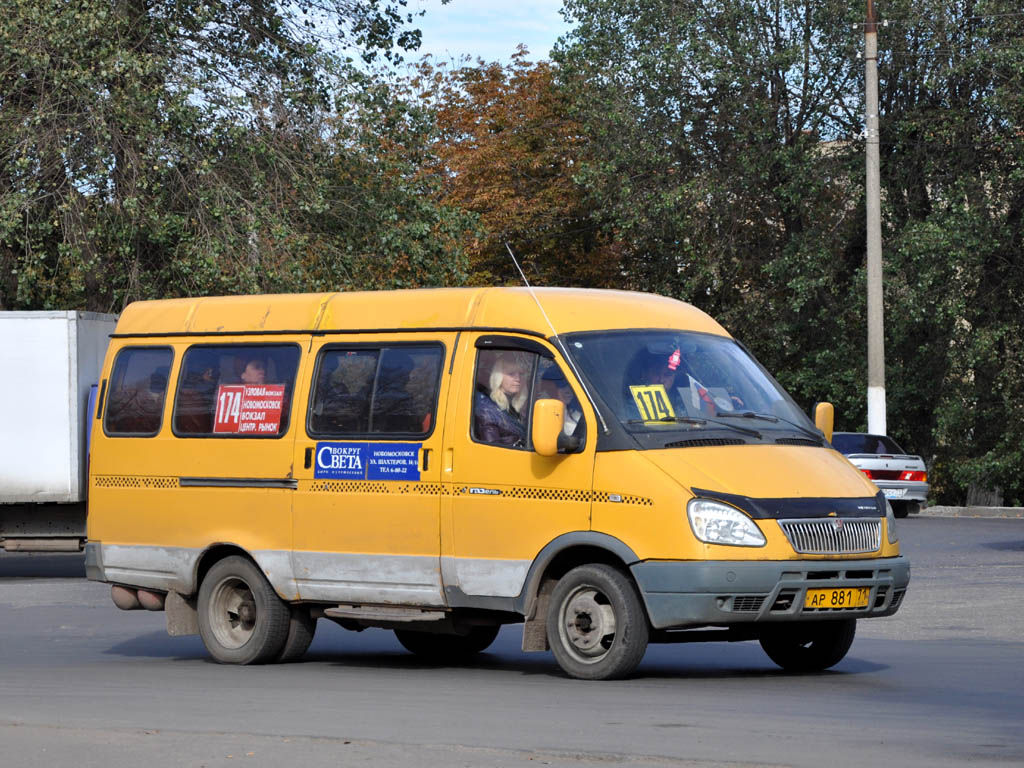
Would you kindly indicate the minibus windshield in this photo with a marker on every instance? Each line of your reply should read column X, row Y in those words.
column 658, row 381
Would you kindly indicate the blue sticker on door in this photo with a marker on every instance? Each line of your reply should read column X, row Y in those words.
column 389, row 461
column 367, row 461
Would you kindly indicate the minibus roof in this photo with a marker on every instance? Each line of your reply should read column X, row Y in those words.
column 569, row 310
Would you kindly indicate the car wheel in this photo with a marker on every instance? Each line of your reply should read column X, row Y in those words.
column 596, row 624
column 447, row 647
column 241, row 618
column 900, row 509
column 301, row 627
column 809, row 646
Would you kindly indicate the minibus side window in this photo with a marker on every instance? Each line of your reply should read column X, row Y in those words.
column 502, row 398
column 138, row 388
column 235, row 390
column 376, row 391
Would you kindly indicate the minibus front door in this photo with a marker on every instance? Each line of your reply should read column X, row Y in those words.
column 506, row 501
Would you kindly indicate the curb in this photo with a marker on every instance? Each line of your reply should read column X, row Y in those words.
column 999, row 512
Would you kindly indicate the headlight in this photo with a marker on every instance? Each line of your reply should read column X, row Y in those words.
column 717, row 523
column 890, row 523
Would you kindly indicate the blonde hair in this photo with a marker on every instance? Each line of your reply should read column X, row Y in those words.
column 497, row 394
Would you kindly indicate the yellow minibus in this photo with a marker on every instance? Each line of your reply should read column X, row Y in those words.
column 608, row 468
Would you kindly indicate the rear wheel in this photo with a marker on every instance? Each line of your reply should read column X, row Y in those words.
column 301, row 627
column 596, row 625
column 443, row 647
column 241, row 618
column 809, row 646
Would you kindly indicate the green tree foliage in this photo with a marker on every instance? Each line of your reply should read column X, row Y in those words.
column 383, row 215
column 716, row 150
column 705, row 124
column 723, row 150
column 953, row 165
column 152, row 149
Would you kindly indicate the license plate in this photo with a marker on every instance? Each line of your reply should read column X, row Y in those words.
column 895, row 493
column 852, row 597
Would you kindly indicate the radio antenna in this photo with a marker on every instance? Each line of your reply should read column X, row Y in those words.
column 558, row 340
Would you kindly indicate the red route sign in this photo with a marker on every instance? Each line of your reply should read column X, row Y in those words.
column 244, row 409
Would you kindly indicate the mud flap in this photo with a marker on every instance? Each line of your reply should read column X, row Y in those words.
column 182, row 615
column 535, row 628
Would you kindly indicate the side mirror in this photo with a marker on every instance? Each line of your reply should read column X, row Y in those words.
column 547, row 426
column 824, row 418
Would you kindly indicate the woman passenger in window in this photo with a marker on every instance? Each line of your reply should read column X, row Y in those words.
column 253, row 371
column 498, row 416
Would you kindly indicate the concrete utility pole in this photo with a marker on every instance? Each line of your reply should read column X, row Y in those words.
column 876, row 338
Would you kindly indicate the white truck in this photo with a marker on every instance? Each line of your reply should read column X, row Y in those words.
column 50, row 364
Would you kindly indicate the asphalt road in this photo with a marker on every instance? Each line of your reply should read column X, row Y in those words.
column 941, row 683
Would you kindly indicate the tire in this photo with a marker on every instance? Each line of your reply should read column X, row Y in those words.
column 596, row 624
column 301, row 628
column 809, row 646
column 241, row 618
column 441, row 647
column 900, row 509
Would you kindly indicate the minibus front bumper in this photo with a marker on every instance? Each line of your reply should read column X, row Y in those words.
column 723, row 593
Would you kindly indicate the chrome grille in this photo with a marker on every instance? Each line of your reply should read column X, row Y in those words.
column 833, row 535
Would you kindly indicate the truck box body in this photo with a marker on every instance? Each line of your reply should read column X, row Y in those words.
column 49, row 362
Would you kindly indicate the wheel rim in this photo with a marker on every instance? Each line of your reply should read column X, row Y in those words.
column 232, row 613
column 587, row 624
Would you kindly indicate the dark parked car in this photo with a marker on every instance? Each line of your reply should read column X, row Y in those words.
column 903, row 478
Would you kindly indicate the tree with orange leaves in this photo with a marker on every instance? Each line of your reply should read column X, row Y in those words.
column 506, row 150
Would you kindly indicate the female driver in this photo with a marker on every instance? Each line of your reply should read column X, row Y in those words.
column 498, row 416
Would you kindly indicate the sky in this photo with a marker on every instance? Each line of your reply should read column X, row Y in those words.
column 489, row 29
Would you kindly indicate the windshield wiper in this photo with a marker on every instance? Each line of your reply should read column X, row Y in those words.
column 768, row 417
column 696, row 422
column 746, row 415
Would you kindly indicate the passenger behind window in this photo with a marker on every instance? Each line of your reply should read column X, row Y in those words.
column 198, row 395
column 658, row 369
column 389, row 391
column 498, row 416
column 259, row 368
column 252, row 370
column 554, row 385
column 343, row 392
column 687, row 383
column 206, row 371
column 393, row 406
column 423, row 385
column 150, row 400
column 652, row 369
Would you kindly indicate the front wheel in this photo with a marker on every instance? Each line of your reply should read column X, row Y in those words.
column 241, row 618
column 596, row 625
column 810, row 646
